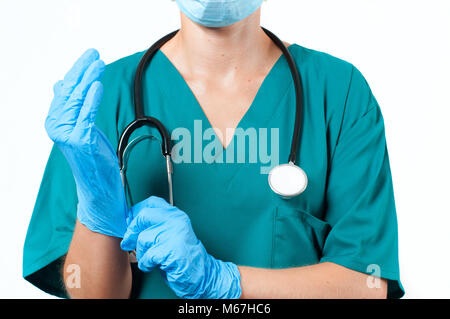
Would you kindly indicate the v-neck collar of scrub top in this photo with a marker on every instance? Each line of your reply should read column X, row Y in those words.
column 262, row 109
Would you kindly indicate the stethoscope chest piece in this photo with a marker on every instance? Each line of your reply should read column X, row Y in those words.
column 288, row 180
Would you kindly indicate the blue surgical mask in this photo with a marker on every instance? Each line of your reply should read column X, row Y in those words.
column 218, row 13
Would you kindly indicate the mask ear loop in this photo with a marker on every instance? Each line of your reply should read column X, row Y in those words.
column 126, row 155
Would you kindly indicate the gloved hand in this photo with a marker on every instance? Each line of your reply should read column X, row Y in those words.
column 163, row 237
column 71, row 125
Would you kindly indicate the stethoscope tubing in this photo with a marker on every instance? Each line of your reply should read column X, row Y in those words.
column 138, row 91
column 166, row 147
column 298, row 86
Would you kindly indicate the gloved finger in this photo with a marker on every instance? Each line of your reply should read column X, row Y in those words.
column 129, row 241
column 58, row 92
column 57, row 88
column 76, row 100
column 136, row 231
column 152, row 258
column 147, row 239
column 74, row 76
column 92, row 74
column 63, row 89
column 153, row 217
column 88, row 111
column 57, row 101
column 151, row 202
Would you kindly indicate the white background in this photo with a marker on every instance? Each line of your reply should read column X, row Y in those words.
column 401, row 46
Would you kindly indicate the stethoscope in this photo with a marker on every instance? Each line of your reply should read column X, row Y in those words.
column 287, row 180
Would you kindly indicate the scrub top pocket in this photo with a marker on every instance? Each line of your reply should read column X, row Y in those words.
column 298, row 238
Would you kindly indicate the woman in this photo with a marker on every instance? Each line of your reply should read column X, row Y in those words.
column 229, row 235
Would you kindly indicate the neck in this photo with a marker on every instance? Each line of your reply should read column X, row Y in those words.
column 217, row 51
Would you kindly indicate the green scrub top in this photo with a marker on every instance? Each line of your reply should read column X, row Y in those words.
column 346, row 215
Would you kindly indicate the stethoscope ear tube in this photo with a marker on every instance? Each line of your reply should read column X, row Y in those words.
column 166, row 146
column 142, row 120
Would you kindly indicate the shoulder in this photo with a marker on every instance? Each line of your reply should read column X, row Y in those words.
column 325, row 65
column 340, row 82
column 122, row 69
column 117, row 81
column 317, row 58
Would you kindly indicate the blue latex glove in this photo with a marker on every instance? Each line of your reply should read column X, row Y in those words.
column 71, row 125
column 163, row 237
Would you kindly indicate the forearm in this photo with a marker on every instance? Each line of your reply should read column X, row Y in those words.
column 104, row 269
column 325, row 280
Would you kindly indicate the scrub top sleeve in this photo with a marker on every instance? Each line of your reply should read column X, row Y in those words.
column 360, row 198
column 51, row 226
column 54, row 215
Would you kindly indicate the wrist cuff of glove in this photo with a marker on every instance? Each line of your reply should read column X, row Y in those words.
column 225, row 281
column 97, row 226
column 235, row 290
